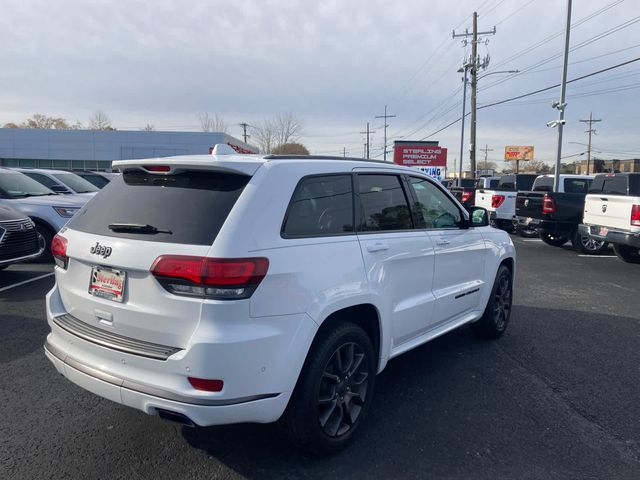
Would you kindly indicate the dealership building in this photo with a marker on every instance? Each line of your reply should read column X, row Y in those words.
column 96, row 149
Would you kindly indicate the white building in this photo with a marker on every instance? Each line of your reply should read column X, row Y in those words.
column 95, row 149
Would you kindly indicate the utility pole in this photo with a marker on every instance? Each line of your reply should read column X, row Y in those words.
column 244, row 126
column 474, row 64
column 385, row 116
column 368, row 132
column 344, row 152
column 464, row 105
column 562, row 103
column 591, row 130
column 486, row 151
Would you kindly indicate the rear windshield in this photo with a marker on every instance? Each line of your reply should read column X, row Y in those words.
column 188, row 207
column 612, row 185
column 466, row 183
column 543, row 184
column 75, row 182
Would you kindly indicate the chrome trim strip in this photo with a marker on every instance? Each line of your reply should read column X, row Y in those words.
column 112, row 340
column 22, row 259
column 147, row 389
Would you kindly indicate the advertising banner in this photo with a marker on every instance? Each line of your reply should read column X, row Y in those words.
column 419, row 154
column 514, row 152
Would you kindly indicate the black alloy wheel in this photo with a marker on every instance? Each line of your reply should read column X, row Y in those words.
column 343, row 389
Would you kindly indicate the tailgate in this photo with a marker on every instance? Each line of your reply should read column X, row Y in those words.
column 611, row 211
column 483, row 199
column 529, row 204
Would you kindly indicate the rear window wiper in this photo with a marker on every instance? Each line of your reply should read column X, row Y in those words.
column 136, row 228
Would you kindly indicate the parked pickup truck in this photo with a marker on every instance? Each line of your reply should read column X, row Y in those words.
column 556, row 215
column 466, row 192
column 612, row 213
column 501, row 202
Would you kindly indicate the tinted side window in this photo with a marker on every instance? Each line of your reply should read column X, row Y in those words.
column 433, row 208
column 320, row 206
column 383, row 204
column 43, row 179
column 507, row 183
column 576, row 185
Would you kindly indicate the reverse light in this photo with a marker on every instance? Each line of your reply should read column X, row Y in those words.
column 635, row 215
column 215, row 278
column 59, row 251
column 548, row 204
column 497, row 200
column 66, row 212
column 206, row 384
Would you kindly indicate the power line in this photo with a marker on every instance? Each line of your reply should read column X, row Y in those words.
column 524, row 95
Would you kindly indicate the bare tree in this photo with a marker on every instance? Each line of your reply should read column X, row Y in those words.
column 10, row 125
column 100, row 121
column 212, row 123
column 44, row 122
column 279, row 130
column 264, row 134
column 149, row 128
column 487, row 166
column 288, row 128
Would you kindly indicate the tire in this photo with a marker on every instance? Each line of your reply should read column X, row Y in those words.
column 551, row 239
column 626, row 253
column 495, row 319
column 315, row 418
column 47, row 235
column 2, row 267
column 588, row 245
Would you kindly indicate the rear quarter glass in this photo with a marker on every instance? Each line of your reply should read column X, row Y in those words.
column 191, row 205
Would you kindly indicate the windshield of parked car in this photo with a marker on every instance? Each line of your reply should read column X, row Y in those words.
column 76, row 183
column 97, row 180
column 17, row 185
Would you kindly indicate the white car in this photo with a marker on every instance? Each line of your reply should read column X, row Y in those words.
column 500, row 201
column 61, row 181
column 612, row 213
column 222, row 289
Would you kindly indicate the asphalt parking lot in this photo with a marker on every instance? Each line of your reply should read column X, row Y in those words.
column 557, row 397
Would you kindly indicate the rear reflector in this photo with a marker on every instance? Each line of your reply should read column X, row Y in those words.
column 497, row 200
column 157, row 168
column 218, row 278
column 548, row 204
column 635, row 215
column 59, row 250
column 206, row 384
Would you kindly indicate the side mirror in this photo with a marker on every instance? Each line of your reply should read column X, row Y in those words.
column 59, row 189
column 479, row 217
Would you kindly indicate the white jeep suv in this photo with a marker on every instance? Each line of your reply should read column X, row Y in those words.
column 221, row 289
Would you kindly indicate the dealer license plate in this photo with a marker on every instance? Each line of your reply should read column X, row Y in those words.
column 107, row 283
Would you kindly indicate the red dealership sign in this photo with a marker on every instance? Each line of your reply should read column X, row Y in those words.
column 417, row 154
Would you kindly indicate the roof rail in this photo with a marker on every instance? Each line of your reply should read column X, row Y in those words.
column 323, row 157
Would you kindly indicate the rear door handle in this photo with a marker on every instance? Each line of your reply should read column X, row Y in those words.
column 377, row 247
column 442, row 241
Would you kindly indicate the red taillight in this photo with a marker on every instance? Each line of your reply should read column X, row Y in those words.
column 548, row 204
column 221, row 278
column 59, row 250
column 497, row 200
column 205, row 384
column 635, row 215
column 466, row 196
column 157, row 168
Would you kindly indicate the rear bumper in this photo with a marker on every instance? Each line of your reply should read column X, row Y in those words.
column 615, row 237
column 548, row 226
column 259, row 370
column 500, row 216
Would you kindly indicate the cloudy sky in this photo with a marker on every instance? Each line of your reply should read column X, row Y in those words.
column 334, row 64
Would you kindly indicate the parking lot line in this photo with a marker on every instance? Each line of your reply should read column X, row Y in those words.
column 24, row 282
column 598, row 256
